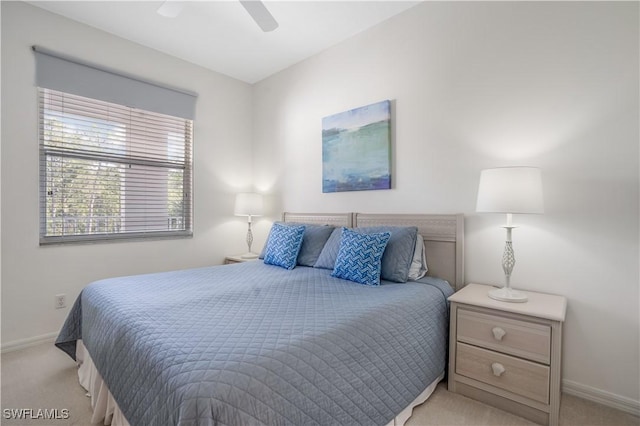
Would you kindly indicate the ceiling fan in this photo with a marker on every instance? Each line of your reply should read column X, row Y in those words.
column 255, row 8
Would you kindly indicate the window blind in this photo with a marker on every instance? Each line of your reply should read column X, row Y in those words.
column 58, row 71
column 109, row 171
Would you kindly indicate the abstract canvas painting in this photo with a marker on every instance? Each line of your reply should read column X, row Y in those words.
column 356, row 149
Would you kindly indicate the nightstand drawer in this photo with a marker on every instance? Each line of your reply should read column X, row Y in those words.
column 523, row 339
column 521, row 377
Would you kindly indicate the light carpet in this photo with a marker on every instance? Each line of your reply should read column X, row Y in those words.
column 42, row 377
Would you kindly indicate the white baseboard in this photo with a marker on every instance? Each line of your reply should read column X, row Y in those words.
column 609, row 399
column 31, row 341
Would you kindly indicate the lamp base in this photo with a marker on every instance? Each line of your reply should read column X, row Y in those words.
column 249, row 256
column 507, row 294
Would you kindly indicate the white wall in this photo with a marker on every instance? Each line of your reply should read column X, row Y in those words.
column 32, row 275
column 477, row 85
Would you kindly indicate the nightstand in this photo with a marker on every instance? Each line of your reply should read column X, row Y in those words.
column 507, row 354
column 236, row 259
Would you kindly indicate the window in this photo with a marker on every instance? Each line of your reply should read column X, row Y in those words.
column 109, row 171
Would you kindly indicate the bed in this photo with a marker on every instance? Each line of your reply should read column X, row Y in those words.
column 252, row 343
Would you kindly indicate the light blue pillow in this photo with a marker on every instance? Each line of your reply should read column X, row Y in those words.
column 315, row 237
column 397, row 257
column 283, row 245
column 359, row 257
column 329, row 253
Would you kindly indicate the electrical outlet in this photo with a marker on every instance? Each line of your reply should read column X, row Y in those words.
column 60, row 301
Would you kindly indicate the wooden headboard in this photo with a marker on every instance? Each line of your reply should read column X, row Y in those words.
column 443, row 236
column 333, row 219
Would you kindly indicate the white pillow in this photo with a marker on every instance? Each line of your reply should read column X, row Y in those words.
column 418, row 267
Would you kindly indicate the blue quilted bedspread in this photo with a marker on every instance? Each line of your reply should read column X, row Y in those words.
column 251, row 343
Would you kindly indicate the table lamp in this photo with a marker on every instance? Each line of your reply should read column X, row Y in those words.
column 248, row 204
column 510, row 190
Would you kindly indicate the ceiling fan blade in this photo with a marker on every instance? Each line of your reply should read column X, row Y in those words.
column 170, row 8
column 260, row 14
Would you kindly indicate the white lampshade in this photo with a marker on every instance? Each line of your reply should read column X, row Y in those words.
column 510, row 190
column 248, row 204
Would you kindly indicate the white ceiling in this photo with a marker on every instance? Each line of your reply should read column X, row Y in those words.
column 221, row 36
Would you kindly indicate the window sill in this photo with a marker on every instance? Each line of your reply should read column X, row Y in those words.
column 113, row 238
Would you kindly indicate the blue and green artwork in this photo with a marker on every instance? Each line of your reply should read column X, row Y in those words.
column 356, row 149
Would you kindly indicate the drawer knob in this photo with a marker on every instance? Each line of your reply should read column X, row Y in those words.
column 498, row 333
column 498, row 369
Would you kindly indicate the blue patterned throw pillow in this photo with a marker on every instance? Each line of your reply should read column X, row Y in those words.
column 283, row 245
column 359, row 256
column 397, row 257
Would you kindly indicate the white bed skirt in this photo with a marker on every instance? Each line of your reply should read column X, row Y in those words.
column 404, row 415
column 106, row 411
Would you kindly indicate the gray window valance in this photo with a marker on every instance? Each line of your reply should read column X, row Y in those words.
column 60, row 72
